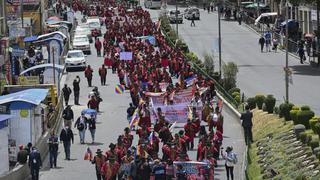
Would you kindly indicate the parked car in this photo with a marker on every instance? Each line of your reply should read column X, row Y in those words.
column 174, row 18
column 84, row 30
column 94, row 24
column 81, row 42
column 75, row 59
column 188, row 13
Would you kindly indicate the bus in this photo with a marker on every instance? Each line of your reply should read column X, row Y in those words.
column 152, row 4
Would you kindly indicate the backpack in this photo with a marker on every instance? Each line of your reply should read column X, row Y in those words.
column 235, row 158
column 80, row 126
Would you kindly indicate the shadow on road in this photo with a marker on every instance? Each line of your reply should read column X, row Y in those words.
column 305, row 70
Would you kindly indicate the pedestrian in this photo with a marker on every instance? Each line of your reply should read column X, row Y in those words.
column 22, row 156
column 301, row 54
column 98, row 46
column 239, row 18
column 66, row 94
column 189, row 129
column 130, row 111
column 159, row 170
column 109, row 169
column 181, row 174
column 67, row 115
column 35, row 163
column 98, row 160
column 268, row 38
column 246, row 118
column 88, row 74
column 103, row 75
column 66, row 136
column 53, row 149
column 169, row 170
column 81, row 125
column 275, row 44
column 230, row 160
column 76, row 90
column 93, row 103
column 92, row 127
column 192, row 19
column 261, row 42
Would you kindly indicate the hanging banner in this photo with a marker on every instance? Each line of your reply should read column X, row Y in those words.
column 174, row 113
column 126, row 56
column 28, row 80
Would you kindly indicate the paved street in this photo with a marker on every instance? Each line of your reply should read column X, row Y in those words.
column 111, row 123
column 258, row 72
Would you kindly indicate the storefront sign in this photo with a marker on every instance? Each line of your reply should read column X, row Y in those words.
column 126, row 56
column 190, row 167
column 28, row 80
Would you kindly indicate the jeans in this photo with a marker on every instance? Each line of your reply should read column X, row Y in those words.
column 53, row 158
column 82, row 135
column 229, row 170
column 93, row 132
column 66, row 145
column 35, row 173
column 76, row 97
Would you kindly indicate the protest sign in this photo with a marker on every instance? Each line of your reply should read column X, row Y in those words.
column 126, row 56
column 190, row 167
column 174, row 113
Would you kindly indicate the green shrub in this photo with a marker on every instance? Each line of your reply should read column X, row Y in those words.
column 285, row 109
column 317, row 128
column 234, row 94
column 237, row 98
column 259, row 98
column 235, row 89
column 314, row 144
column 251, row 102
column 293, row 113
column 303, row 117
column 264, row 108
column 305, row 108
column 303, row 137
column 270, row 102
column 276, row 110
column 312, row 122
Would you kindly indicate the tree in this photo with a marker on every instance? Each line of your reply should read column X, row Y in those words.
column 230, row 71
column 208, row 63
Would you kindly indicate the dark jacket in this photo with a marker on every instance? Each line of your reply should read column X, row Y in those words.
column 22, row 156
column 67, row 114
column 66, row 91
column 246, row 118
column 53, row 144
column 262, row 40
column 76, row 86
column 66, row 135
column 35, row 159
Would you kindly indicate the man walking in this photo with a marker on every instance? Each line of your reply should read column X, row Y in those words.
column 35, row 163
column 103, row 75
column 261, row 42
column 76, row 90
column 268, row 38
column 88, row 74
column 81, row 125
column 192, row 19
column 246, row 118
column 66, row 136
column 53, row 149
column 98, row 46
column 66, row 93
column 98, row 159
column 67, row 115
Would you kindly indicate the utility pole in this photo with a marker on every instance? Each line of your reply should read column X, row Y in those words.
column 219, row 30
column 258, row 8
column 21, row 12
column 177, row 25
column 53, row 66
column 41, row 18
column 287, row 56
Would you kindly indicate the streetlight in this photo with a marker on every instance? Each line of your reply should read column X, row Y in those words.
column 287, row 56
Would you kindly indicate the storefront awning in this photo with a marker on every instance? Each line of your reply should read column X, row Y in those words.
column 32, row 96
column 56, row 66
column 3, row 118
column 265, row 15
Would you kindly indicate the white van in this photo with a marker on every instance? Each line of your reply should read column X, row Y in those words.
column 94, row 23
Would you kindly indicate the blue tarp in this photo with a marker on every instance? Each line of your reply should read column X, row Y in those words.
column 89, row 112
column 30, row 38
column 32, row 96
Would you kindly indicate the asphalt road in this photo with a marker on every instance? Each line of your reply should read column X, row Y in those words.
column 111, row 122
column 258, row 72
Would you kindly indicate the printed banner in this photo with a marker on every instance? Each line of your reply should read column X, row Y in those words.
column 174, row 113
column 190, row 167
column 127, row 56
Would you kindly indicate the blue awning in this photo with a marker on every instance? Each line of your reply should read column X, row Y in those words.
column 3, row 120
column 32, row 96
column 57, row 67
column 30, row 38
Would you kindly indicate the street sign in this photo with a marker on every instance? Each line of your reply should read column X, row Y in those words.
column 18, row 52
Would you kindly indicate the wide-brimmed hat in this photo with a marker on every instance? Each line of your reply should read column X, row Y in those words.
column 99, row 151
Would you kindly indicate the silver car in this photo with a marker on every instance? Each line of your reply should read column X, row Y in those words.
column 81, row 42
column 175, row 16
column 189, row 12
column 75, row 59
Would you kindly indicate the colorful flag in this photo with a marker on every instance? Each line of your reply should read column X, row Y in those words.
column 190, row 113
column 88, row 154
column 151, row 138
column 119, row 89
column 172, row 126
column 134, row 120
column 140, row 152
